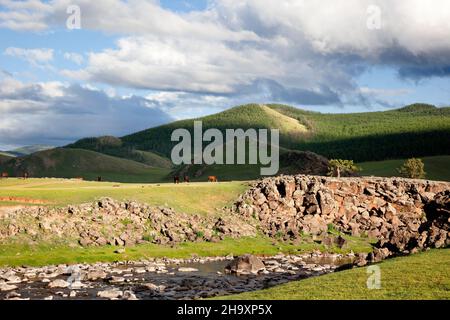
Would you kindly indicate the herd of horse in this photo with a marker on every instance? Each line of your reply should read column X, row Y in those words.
column 177, row 179
column 5, row 175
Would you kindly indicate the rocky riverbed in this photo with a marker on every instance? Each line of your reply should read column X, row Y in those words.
column 165, row 279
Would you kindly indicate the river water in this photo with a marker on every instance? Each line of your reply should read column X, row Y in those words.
column 159, row 279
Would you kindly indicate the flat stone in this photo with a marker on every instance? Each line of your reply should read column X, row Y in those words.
column 58, row 283
column 110, row 294
column 7, row 287
column 186, row 269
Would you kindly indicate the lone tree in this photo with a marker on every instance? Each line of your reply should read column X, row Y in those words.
column 336, row 167
column 413, row 168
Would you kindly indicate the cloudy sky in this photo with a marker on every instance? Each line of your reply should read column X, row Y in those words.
column 124, row 66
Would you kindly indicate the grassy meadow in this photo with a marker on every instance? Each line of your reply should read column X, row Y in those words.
column 13, row 254
column 436, row 168
column 194, row 197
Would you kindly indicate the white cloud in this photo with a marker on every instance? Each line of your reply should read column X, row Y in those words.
column 74, row 57
column 27, row 15
column 384, row 92
column 33, row 56
column 302, row 51
column 56, row 113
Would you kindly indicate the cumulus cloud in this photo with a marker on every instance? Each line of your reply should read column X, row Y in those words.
column 310, row 51
column 33, row 56
column 74, row 57
column 56, row 113
column 296, row 51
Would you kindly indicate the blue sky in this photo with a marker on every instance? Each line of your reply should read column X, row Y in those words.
column 138, row 64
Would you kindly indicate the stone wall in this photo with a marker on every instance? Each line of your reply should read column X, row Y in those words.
column 398, row 212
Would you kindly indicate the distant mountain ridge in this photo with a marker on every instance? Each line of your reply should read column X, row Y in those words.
column 26, row 150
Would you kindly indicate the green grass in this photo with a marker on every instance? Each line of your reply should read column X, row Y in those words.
column 420, row 276
column 45, row 254
column 437, row 168
column 203, row 198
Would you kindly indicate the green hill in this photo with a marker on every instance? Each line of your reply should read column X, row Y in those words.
column 417, row 130
column 72, row 163
column 23, row 151
column 413, row 131
column 4, row 157
column 249, row 116
column 115, row 147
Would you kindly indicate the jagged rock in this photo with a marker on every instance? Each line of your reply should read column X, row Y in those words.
column 403, row 214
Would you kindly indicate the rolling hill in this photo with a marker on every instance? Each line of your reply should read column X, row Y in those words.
column 72, row 163
column 115, row 147
column 26, row 150
column 4, row 158
column 417, row 130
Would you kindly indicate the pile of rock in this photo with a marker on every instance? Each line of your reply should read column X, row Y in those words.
column 108, row 221
column 402, row 214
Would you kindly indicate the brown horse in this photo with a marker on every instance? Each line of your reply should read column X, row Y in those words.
column 186, row 179
column 5, row 175
column 212, row 179
column 25, row 175
column 176, row 179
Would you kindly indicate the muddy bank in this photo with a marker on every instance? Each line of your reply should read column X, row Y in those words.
column 162, row 279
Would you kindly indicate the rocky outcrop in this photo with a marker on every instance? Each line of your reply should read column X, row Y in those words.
column 402, row 214
column 247, row 264
column 108, row 221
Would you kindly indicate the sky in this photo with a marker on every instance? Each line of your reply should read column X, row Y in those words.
column 77, row 68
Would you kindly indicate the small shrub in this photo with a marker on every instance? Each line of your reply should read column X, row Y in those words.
column 413, row 168
column 337, row 167
column 200, row 234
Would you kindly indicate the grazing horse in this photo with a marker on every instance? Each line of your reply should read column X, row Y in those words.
column 176, row 179
column 186, row 179
column 99, row 178
column 5, row 175
column 25, row 175
column 212, row 179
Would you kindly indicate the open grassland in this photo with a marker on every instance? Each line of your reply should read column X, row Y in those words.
column 420, row 276
column 436, row 168
column 190, row 198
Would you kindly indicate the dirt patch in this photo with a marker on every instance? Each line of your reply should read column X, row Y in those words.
column 24, row 200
